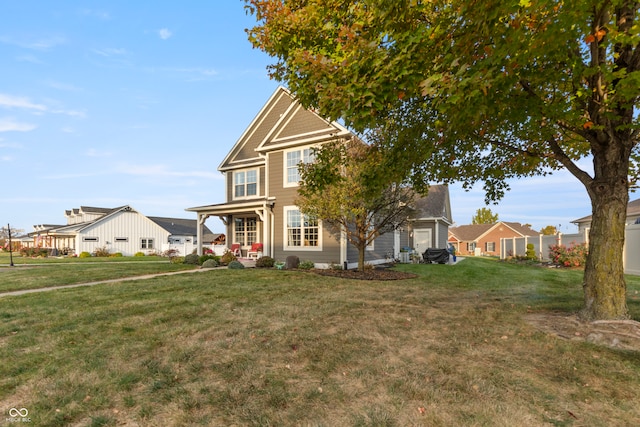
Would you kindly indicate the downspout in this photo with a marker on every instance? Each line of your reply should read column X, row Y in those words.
column 343, row 247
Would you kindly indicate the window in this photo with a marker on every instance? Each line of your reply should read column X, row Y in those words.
column 146, row 243
column 471, row 246
column 89, row 239
column 293, row 159
column 245, row 231
column 121, row 239
column 490, row 247
column 245, row 183
column 302, row 231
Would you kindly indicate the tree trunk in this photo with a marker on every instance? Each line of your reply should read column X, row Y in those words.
column 604, row 285
column 361, row 251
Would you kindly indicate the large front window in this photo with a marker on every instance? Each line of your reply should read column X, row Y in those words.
column 293, row 159
column 302, row 231
column 245, row 231
column 245, row 183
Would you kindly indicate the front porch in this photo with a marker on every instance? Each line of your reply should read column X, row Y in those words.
column 247, row 223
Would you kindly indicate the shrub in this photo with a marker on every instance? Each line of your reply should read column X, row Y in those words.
column 101, row 252
column 210, row 263
column 139, row 254
column 192, row 259
column 227, row 258
column 170, row 253
column 176, row 260
column 531, row 252
column 265, row 262
column 116, row 255
column 84, row 254
column 573, row 256
column 236, row 265
column 306, row 265
column 204, row 258
column 34, row 252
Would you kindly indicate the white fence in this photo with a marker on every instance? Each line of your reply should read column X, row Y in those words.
column 188, row 248
column 518, row 246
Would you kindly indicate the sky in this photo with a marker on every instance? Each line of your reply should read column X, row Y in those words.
column 112, row 103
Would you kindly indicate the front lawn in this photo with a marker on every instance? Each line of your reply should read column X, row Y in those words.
column 267, row 347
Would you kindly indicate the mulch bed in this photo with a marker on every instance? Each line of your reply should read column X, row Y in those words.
column 368, row 274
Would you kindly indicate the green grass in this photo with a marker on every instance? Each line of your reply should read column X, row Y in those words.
column 267, row 347
column 45, row 272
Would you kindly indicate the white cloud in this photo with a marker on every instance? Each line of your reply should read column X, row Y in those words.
column 29, row 58
column 44, row 43
column 9, row 101
column 165, row 33
column 8, row 124
column 71, row 113
column 110, row 51
column 6, row 158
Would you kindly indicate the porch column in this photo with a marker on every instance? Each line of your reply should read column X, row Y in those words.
column 199, row 231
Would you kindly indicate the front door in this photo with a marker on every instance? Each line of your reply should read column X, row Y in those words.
column 422, row 240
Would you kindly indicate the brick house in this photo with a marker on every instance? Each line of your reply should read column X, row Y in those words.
column 484, row 239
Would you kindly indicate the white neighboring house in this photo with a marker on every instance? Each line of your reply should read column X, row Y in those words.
column 633, row 217
column 121, row 229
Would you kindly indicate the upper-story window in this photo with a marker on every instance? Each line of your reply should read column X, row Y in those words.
column 292, row 159
column 245, row 183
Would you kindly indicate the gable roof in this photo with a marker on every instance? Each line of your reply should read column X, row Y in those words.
column 179, row 226
column 282, row 122
column 473, row 232
column 435, row 204
column 633, row 209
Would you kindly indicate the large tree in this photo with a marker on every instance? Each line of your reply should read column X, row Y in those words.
column 338, row 188
column 481, row 91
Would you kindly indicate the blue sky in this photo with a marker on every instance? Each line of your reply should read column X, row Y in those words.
column 137, row 102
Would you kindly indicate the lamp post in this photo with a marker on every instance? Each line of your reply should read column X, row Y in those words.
column 10, row 247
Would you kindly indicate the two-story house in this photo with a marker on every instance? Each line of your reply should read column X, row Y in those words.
column 261, row 173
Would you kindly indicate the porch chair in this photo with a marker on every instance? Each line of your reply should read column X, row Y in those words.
column 255, row 249
column 235, row 249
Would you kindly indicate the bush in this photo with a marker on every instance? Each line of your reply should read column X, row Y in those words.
column 176, row 260
column 306, row 265
column 204, row 258
column 193, row 259
column 116, row 255
column 227, row 258
column 573, row 256
column 139, row 254
column 265, row 262
column 210, row 263
column 531, row 252
column 34, row 252
column 170, row 253
column 101, row 252
column 236, row 265
column 84, row 254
